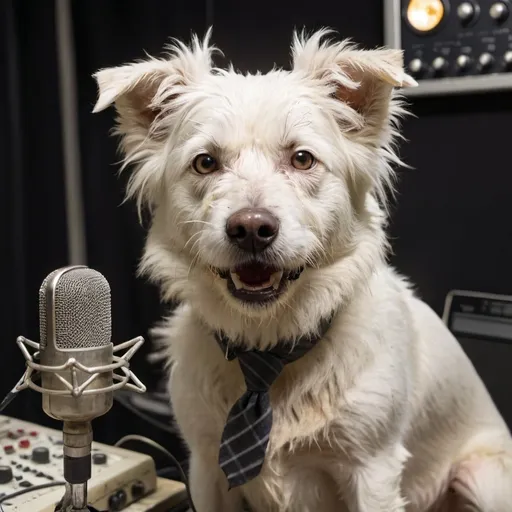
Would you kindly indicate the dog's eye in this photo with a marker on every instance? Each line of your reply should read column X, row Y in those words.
column 204, row 164
column 303, row 160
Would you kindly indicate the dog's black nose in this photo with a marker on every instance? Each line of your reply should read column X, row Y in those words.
column 252, row 229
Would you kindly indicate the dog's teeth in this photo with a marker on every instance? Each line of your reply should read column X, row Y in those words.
column 275, row 279
column 257, row 288
column 239, row 284
column 236, row 280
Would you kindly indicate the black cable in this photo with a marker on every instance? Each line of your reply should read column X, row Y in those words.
column 125, row 402
column 169, row 472
column 7, row 400
column 8, row 497
column 154, row 444
column 9, row 397
column 13, row 393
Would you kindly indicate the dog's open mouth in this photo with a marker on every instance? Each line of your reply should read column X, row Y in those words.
column 257, row 282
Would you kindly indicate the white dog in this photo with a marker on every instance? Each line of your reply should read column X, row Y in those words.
column 267, row 195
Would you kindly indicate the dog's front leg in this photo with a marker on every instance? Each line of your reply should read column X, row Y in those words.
column 374, row 485
column 209, row 486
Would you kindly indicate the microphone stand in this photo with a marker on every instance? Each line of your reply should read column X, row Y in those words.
column 77, row 437
column 77, row 460
column 65, row 504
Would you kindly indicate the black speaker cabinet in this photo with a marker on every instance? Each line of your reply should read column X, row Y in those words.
column 483, row 325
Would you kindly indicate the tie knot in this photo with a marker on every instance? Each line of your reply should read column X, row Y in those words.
column 260, row 369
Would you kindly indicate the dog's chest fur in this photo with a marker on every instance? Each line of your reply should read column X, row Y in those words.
column 323, row 404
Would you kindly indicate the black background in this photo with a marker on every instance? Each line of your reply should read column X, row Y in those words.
column 451, row 225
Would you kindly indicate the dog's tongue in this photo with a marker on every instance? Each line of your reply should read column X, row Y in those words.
column 254, row 273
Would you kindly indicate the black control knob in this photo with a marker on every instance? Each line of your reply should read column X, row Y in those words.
column 466, row 12
column 463, row 62
column 5, row 474
column 485, row 61
column 117, row 501
column 507, row 60
column 439, row 64
column 41, row 455
column 99, row 458
column 499, row 11
column 138, row 490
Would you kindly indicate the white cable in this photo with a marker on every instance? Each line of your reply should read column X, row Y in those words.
column 70, row 138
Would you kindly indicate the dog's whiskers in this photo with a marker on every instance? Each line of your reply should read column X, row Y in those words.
column 194, row 235
column 196, row 221
column 192, row 263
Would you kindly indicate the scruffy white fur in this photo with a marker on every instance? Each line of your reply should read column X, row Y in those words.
column 386, row 413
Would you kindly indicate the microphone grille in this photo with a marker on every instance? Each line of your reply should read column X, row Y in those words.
column 80, row 312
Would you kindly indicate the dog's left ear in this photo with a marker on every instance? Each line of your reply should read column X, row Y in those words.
column 361, row 79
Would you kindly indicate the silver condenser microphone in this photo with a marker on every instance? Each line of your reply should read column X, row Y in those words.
column 75, row 323
column 77, row 363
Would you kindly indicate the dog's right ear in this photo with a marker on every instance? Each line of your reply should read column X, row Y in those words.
column 145, row 95
column 143, row 90
column 133, row 88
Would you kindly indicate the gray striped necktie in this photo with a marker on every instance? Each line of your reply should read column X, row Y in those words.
column 247, row 431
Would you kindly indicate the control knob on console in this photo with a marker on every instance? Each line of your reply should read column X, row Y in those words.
column 507, row 60
column 117, row 501
column 485, row 61
column 499, row 11
column 5, row 474
column 99, row 458
column 466, row 12
column 41, row 455
column 439, row 64
column 463, row 62
column 138, row 489
column 416, row 67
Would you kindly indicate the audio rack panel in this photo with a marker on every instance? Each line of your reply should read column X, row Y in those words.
column 452, row 46
column 31, row 455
